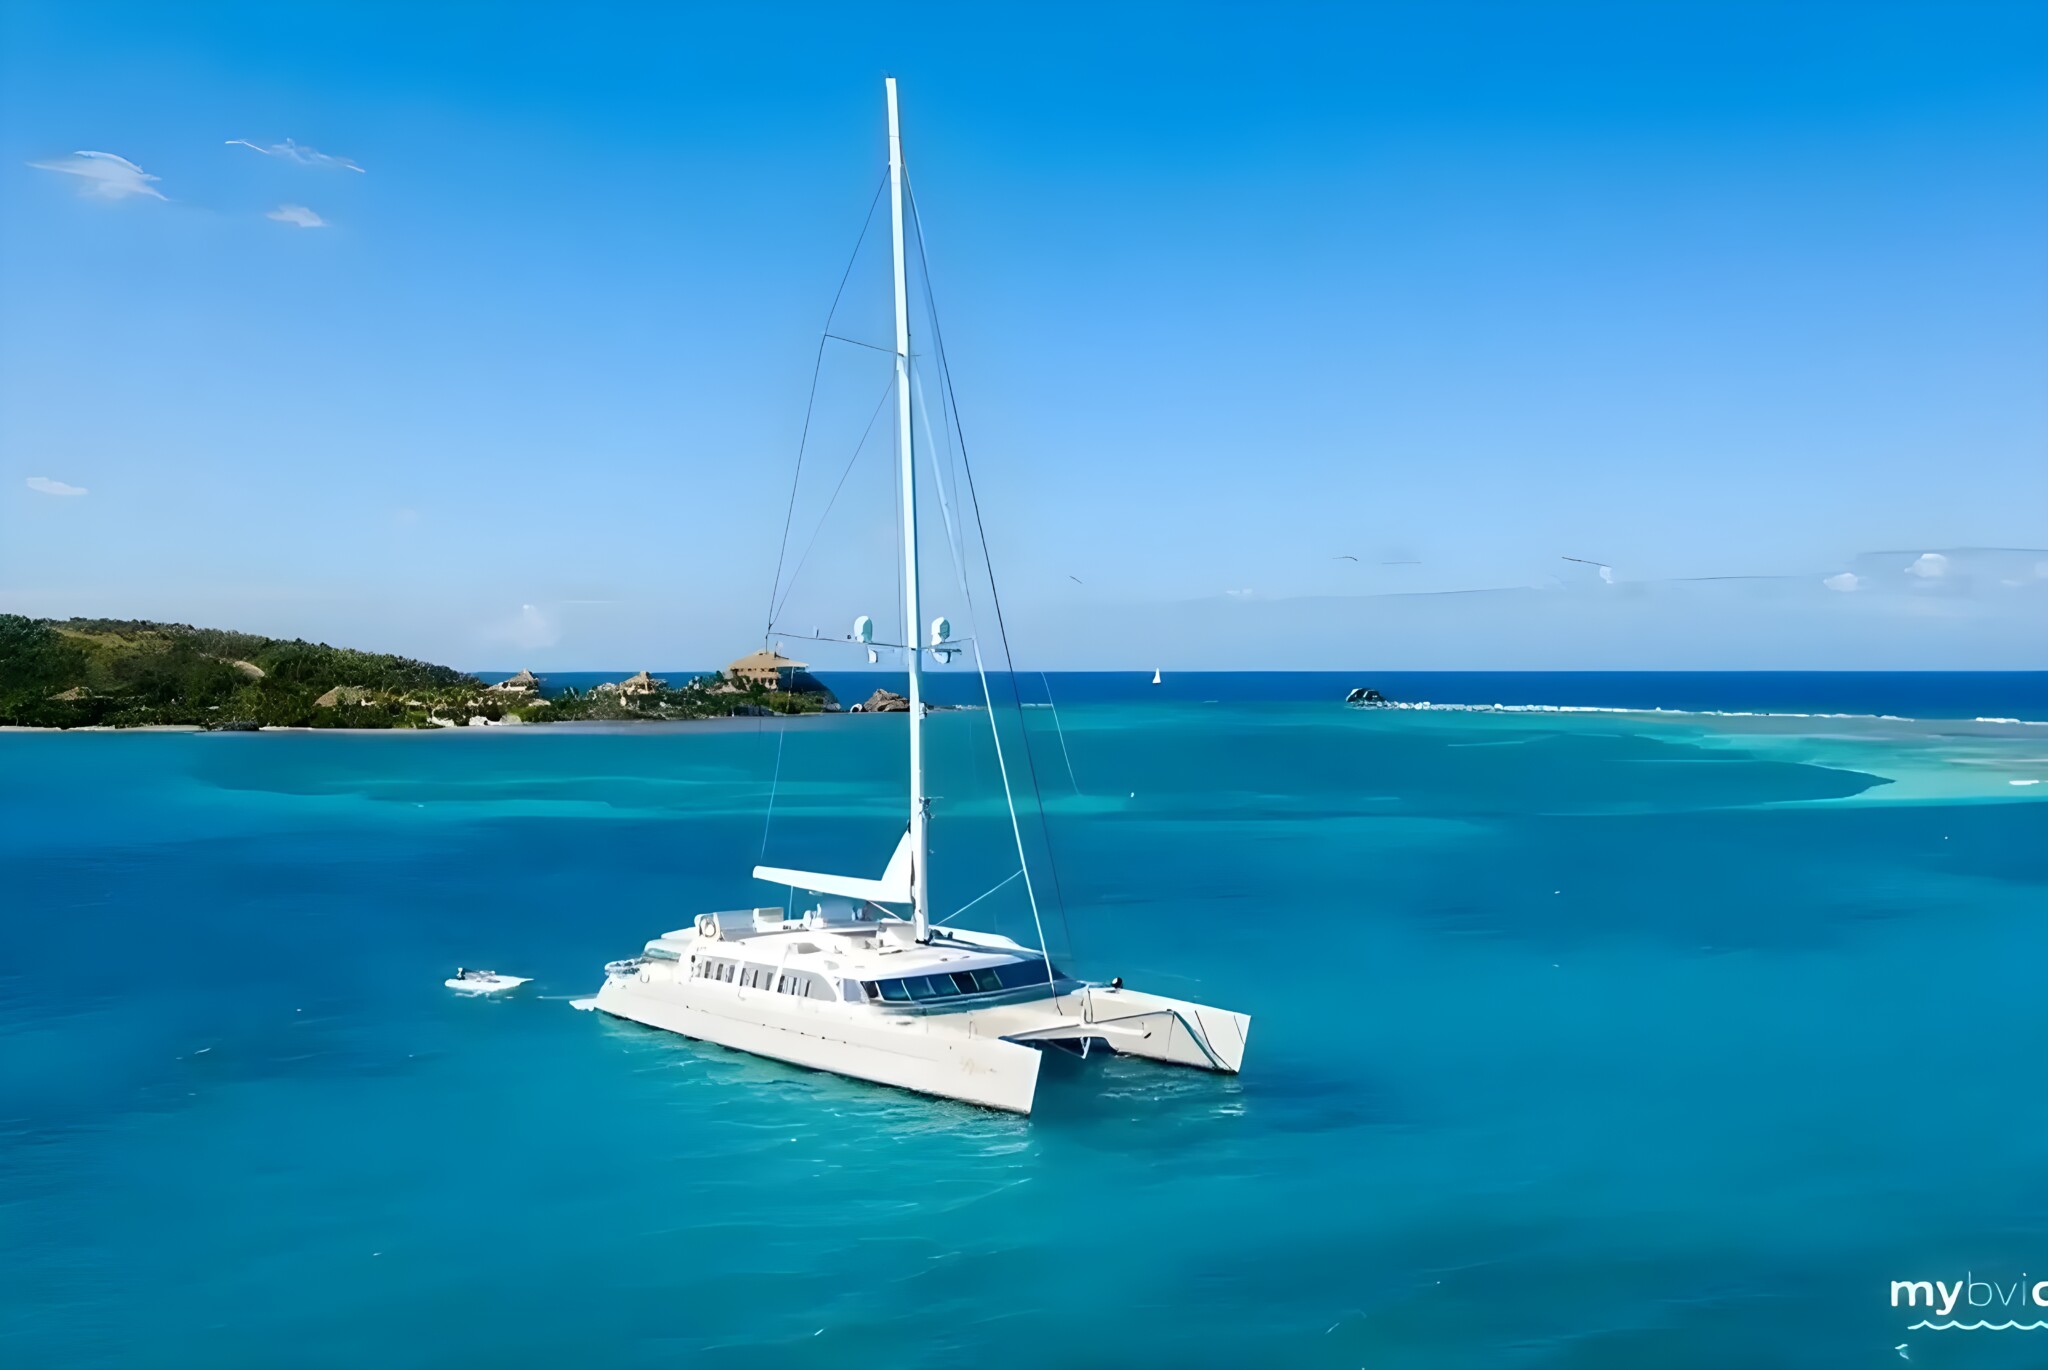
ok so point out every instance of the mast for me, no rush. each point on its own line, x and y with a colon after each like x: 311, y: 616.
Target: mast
x: 912, y: 625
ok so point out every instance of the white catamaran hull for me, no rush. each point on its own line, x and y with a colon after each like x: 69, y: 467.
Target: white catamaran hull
x: 978, y: 1056
x: 886, y: 1051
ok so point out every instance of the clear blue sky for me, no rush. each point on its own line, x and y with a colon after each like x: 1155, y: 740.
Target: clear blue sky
x: 1692, y: 290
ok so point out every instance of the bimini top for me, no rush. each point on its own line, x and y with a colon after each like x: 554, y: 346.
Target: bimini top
x: 892, y: 888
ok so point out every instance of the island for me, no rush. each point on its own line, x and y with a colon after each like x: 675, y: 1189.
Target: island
x: 121, y: 673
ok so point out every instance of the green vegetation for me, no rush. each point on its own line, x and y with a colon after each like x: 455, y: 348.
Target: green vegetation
x: 116, y: 673
x: 111, y: 672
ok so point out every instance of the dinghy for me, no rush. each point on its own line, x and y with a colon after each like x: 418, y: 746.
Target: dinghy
x: 468, y: 981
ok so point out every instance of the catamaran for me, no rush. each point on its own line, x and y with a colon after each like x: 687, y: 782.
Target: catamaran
x: 854, y: 978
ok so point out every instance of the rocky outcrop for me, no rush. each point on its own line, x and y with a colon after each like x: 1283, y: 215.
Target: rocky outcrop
x: 882, y: 702
x: 1367, y: 699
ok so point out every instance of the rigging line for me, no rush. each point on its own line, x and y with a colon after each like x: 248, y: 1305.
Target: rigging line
x: 858, y: 343
x: 811, y: 403
x: 939, y: 486
x: 775, y: 611
x: 979, y: 897
x: 980, y: 667
x: 795, y: 481
x: 967, y: 595
x: 1043, y: 680
x: 785, y: 635
x: 995, y: 597
x: 1010, y: 801
x: 774, y: 784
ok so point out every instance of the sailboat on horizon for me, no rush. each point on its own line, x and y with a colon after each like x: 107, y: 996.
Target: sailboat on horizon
x: 853, y: 977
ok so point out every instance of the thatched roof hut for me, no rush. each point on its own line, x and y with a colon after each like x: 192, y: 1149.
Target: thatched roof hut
x: 641, y: 684
x: 342, y: 694
x: 762, y: 668
x: 774, y: 671
x: 72, y: 695
x: 526, y: 682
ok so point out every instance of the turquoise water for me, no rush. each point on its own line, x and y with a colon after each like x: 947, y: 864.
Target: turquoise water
x: 1584, y: 1041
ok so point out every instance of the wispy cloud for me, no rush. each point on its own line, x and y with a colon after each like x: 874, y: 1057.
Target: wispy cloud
x: 104, y: 176
x: 296, y: 214
x: 529, y: 629
x: 293, y: 152
x: 1845, y: 582
x: 43, y: 485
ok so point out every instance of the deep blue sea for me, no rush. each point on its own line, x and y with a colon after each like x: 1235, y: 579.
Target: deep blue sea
x: 1589, y: 1041
x: 1913, y: 694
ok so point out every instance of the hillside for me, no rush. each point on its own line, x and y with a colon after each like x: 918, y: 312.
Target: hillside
x: 95, y: 672
x: 109, y: 672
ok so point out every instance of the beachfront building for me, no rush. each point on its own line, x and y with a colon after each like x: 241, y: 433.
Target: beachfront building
x: 641, y: 684
x: 770, y: 670
x: 773, y: 671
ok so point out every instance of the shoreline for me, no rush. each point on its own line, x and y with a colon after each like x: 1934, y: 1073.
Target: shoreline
x: 1761, y: 720
x: 721, y: 724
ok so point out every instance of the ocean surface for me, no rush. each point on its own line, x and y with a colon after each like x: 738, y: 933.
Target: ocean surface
x: 1581, y: 1041
x: 1912, y: 694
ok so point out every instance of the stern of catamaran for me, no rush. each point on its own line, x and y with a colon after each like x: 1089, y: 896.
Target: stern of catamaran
x: 1130, y: 1022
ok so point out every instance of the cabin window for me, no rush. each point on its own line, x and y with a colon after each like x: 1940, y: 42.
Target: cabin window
x: 964, y: 982
x: 986, y: 980
x: 870, y: 989
x: 895, y: 992
x: 1018, y: 974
